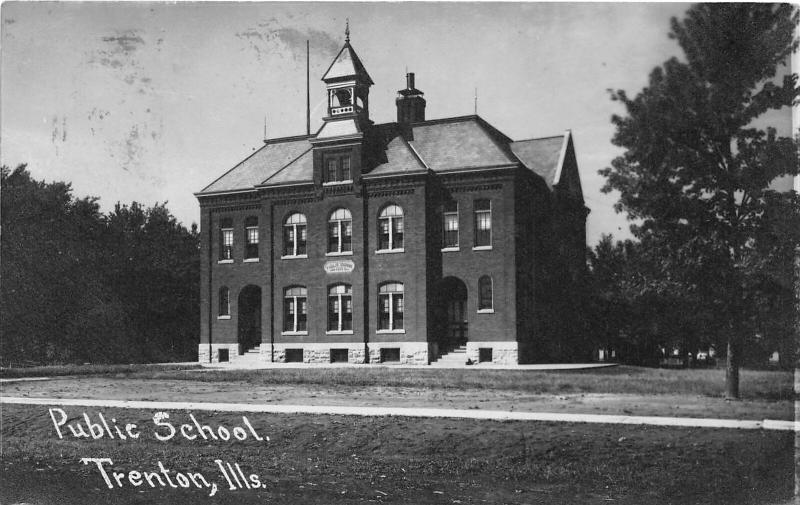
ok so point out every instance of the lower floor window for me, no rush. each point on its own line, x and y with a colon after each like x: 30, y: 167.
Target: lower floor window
x: 295, y: 312
x: 390, y: 306
x: 340, y: 308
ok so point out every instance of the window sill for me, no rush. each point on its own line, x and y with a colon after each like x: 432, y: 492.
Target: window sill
x: 482, y: 248
x: 293, y: 333
x: 335, y: 332
x: 295, y: 257
x: 338, y: 183
x: 383, y: 332
x: 389, y: 251
x: 224, y: 262
x: 223, y: 317
x: 451, y: 249
x: 343, y: 253
x: 485, y: 311
x: 250, y: 260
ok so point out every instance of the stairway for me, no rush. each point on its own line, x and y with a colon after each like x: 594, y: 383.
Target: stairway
x: 455, y: 358
x: 250, y: 357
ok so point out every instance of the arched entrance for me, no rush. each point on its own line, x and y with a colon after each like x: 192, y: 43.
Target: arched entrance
x: 453, y: 309
x: 249, y: 330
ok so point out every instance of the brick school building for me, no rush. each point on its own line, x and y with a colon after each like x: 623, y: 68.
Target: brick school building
x: 398, y: 242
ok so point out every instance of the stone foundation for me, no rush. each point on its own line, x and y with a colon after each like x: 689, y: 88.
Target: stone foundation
x: 202, y: 352
x: 318, y: 352
x: 503, y: 353
x: 411, y: 353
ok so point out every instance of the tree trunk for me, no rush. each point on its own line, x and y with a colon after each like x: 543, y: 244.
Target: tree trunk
x: 732, y: 370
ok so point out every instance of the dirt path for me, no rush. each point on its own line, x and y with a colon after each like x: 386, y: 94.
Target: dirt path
x: 243, y: 392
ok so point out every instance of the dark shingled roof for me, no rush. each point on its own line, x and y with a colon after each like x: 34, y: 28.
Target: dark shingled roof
x: 443, y: 145
x: 346, y: 65
x: 261, y: 165
x: 542, y: 156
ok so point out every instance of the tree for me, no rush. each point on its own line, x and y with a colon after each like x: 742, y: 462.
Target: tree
x: 78, y: 286
x: 696, y: 173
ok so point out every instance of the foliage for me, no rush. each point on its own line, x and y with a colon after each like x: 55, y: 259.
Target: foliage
x: 79, y: 286
x: 697, y: 168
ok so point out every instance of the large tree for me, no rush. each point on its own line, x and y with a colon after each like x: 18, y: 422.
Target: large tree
x: 698, y: 169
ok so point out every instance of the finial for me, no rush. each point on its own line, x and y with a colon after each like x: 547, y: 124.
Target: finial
x: 347, y: 30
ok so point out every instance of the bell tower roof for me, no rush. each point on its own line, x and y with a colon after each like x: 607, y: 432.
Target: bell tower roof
x: 347, y: 66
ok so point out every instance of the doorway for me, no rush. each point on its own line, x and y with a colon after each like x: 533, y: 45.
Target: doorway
x: 249, y: 326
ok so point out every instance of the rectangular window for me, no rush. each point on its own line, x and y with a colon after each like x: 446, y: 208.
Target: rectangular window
x: 347, y: 236
x: 333, y: 237
x: 450, y: 224
x: 398, y: 233
x: 347, y: 316
x: 390, y: 354
x: 333, y: 314
x: 332, y: 174
x: 484, y: 354
x: 383, y: 313
x: 288, y: 314
x: 337, y: 168
x: 483, y: 223
x: 251, y: 250
x: 339, y: 356
x: 301, y: 239
x: 397, y: 311
x: 302, y: 315
x: 288, y: 240
x: 345, y: 165
x: 226, y: 251
x: 383, y: 236
x: 294, y: 355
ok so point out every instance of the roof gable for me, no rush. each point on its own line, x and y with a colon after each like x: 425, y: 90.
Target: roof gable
x: 542, y: 156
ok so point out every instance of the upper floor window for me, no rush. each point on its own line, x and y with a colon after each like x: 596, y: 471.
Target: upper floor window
x: 340, y: 232
x: 483, y: 223
x: 390, y: 228
x: 337, y: 168
x: 226, y: 239
x: 450, y: 224
x: 251, y: 238
x: 340, y: 308
x: 295, y: 310
x: 224, y: 302
x: 294, y: 235
x: 390, y: 306
x: 485, y: 301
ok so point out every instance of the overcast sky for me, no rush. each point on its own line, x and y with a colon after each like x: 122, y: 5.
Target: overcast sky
x: 151, y: 102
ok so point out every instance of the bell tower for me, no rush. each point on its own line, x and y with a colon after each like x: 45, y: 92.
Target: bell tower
x: 347, y: 83
x: 339, y: 145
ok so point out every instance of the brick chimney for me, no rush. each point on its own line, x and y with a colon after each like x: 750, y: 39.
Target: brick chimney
x: 410, y: 104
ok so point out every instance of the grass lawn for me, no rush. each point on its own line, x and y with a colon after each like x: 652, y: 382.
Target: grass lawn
x: 339, y: 459
x: 755, y: 384
x: 61, y: 370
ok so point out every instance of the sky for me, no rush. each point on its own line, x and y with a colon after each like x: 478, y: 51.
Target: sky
x: 151, y: 102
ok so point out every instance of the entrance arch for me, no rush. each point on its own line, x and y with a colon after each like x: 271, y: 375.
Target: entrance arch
x: 453, y: 311
x: 249, y: 326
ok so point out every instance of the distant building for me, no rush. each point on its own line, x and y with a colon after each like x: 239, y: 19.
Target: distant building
x: 397, y: 242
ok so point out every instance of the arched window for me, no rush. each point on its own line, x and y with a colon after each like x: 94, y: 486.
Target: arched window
x: 226, y: 239
x: 251, y: 238
x: 390, y: 228
x: 390, y: 306
x: 340, y: 308
x: 485, y: 301
x: 224, y: 302
x: 294, y: 235
x: 295, y: 309
x: 340, y: 232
